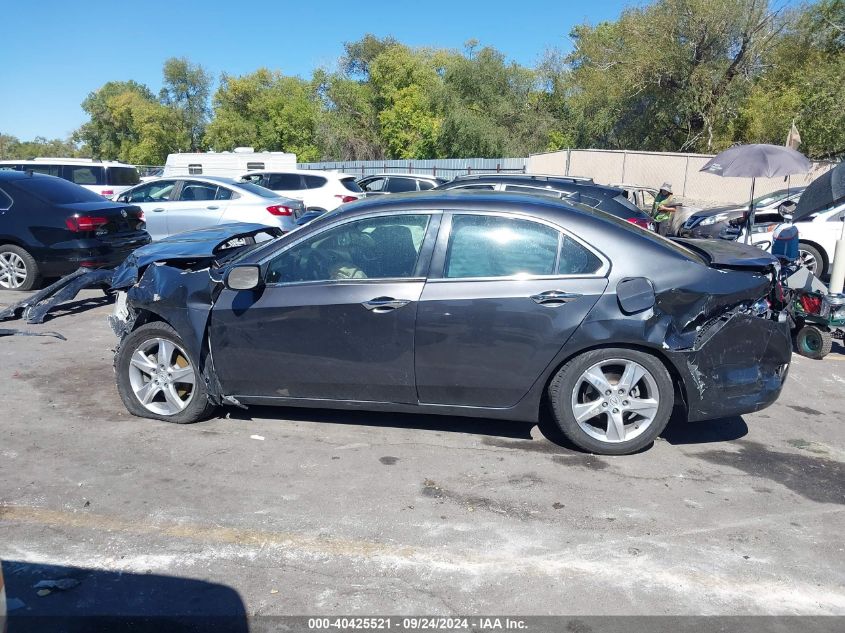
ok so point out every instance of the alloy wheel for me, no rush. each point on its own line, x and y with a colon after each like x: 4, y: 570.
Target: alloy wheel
x: 615, y: 400
x: 808, y: 260
x: 161, y: 376
x: 12, y: 270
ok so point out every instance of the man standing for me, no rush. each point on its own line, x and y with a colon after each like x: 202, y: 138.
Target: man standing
x: 661, y: 211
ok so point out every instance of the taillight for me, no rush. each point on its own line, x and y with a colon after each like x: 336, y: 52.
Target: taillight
x: 345, y: 199
x: 107, y: 192
x: 279, y: 209
x: 642, y: 222
x: 80, y: 223
x: 811, y: 304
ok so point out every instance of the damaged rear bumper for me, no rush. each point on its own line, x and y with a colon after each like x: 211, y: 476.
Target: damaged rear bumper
x: 737, y: 365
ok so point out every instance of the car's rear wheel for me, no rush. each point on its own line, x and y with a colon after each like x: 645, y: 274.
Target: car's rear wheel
x: 18, y: 269
x: 811, y: 259
x: 612, y: 401
x: 157, y: 377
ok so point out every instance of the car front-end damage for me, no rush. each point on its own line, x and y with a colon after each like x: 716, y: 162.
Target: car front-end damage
x: 177, y: 281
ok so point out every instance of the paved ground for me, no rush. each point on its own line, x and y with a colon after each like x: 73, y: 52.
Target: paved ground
x: 378, y: 513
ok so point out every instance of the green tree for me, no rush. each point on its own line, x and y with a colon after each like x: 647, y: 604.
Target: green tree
x: 187, y: 87
x: 266, y: 110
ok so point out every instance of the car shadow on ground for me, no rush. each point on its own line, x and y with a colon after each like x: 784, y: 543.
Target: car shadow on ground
x: 76, y: 307
x: 75, y: 599
x: 501, y: 433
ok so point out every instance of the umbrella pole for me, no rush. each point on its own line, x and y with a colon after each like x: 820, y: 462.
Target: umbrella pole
x: 750, y: 214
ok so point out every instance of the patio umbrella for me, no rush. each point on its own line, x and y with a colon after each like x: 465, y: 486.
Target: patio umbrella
x: 823, y: 192
x: 757, y: 161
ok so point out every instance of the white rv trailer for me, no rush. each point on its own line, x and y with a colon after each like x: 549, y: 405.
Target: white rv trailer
x: 230, y: 164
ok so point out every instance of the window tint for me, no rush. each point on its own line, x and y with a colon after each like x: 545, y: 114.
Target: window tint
x: 5, y: 201
x: 257, y: 190
x: 425, y: 185
x: 194, y: 170
x: 372, y: 248
x: 576, y: 259
x: 12, y: 166
x: 158, y: 191
x: 351, y: 185
x: 314, y: 182
x: 489, y: 246
x: 192, y: 190
x: 376, y: 184
x: 85, y: 175
x: 485, y: 187
x: 122, y: 176
x: 223, y: 194
x: 48, y: 170
x: 287, y: 182
x: 535, y: 191
x: 400, y: 185
x: 56, y: 190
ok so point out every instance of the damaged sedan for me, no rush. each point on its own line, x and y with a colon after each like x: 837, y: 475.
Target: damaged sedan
x: 455, y: 303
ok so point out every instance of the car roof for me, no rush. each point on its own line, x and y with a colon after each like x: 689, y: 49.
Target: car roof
x: 306, y: 172
x: 529, y: 180
x: 13, y: 174
x: 403, y: 174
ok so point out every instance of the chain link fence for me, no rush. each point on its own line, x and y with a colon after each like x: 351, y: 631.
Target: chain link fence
x: 439, y: 168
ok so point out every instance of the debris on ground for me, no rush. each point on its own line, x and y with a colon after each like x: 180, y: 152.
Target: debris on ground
x: 256, y: 437
x: 11, y: 332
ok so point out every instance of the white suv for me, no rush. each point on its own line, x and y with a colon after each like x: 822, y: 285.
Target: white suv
x: 320, y: 191
x: 107, y: 178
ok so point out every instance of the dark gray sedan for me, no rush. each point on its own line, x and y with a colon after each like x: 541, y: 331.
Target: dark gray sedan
x: 466, y: 304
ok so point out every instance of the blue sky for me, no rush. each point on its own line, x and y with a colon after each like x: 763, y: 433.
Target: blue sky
x: 55, y: 52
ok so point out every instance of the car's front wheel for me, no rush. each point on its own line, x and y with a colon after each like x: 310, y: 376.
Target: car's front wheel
x: 612, y: 401
x: 157, y: 377
x: 811, y: 259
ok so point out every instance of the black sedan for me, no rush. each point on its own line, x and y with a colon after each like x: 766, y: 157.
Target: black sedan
x: 464, y: 304
x: 50, y: 227
x: 612, y: 200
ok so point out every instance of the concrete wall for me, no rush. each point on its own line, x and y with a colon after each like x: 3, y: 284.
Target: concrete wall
x: 654, y: 168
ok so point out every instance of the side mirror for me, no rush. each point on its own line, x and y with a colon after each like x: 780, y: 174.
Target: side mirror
x: 786, y: 209
x: 246, y: 277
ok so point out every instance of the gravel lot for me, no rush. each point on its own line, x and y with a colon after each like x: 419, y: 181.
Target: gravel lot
x: 319, y: 512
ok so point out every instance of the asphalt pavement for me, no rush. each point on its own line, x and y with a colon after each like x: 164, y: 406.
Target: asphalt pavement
x: 292, y: 511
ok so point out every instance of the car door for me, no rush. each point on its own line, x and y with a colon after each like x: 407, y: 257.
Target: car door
x: 504, y: 295
x: 335, y: 318
x: 155, y: 198
x: 198, y: 205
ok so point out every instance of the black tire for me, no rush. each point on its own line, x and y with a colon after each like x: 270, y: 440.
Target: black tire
x: 821, y: 266
x: 568, y: 378
x: 198, y: 407
x: 813, y: 342
x: 33, y: 273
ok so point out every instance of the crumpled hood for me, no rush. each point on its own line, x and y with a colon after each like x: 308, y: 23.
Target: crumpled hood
x: 731, y: 255
x: 194, y: 246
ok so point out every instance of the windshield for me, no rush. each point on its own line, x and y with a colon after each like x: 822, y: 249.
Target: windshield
x: 770, y: 198
x: 56, y: 190
x: 258, y: 190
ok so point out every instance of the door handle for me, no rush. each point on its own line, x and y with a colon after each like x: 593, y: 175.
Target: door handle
x: 380, y: 305
x: 159, y: 210
x: 554, y: 298
x: 212, y: 207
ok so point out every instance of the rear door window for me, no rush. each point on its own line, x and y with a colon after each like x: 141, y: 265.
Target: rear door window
x: 314, y: 182
x: 397, y: 184
x: 122, y: 176
x: 85, y: 174
x: 375, y: 184
x: 493, y: 246
x: 284, y: 182
x: 193, y: 190
x: 47, y: 170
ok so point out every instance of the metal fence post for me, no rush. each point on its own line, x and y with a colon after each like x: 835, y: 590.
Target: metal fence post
x: 686, y: 173
x: 624, y: 161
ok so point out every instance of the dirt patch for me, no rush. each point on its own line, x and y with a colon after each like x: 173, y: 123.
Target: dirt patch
x: 814, y: 478
x: 388, y: 460
x: 806, y: 410
x: 472, y: 502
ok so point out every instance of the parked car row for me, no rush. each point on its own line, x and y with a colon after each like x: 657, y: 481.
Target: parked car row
x: 107, y: 178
